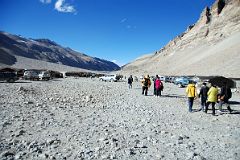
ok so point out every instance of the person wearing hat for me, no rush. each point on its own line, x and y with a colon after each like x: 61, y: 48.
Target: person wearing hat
x: 146, y: 83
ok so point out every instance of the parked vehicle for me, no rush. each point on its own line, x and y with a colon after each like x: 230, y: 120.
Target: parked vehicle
x: 182, y: 81
x: 44, y: 75
x: 31, y: 75
x: 162, y: 78
x: 169, y: 79
x: 8, y: 76
x: 110, y: 78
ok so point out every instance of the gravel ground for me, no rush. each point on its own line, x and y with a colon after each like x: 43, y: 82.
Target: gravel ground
x: 80, y: 118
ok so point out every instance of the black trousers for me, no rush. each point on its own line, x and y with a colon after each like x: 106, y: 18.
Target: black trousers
x: 213, y: 107
x: 158, y: 92
x: 203, y: 101
x: 144, y: 90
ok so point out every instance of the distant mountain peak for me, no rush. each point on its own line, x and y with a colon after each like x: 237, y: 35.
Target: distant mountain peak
x: 47, y: 50
x: 46, y: 41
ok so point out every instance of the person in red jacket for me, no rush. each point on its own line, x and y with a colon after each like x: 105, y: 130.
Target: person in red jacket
x: 158, y: 86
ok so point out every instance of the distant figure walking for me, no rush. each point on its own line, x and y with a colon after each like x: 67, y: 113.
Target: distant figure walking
x: 212, y: 98
x: 191, y: 94
x: 224, y: 97
x: 203, y: 95
x: 146, y: 83
x: 158, y: 86
x: 154, y: 86
x: 130, y: 81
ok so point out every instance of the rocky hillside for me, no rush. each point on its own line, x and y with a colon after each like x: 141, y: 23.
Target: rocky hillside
x: 13, y: 46
x: 208, y: 47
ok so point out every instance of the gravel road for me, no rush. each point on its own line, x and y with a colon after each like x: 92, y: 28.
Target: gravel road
x: 83, y: 118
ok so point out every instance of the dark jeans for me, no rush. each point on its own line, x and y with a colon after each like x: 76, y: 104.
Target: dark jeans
x: 154, y: 90
x: 129, y: 85
x: 225, y: 102
x: 190, y: 103
x: 203, y: 102
x: 213, y: 107
x: 158, y: 92
x: 144, y: 89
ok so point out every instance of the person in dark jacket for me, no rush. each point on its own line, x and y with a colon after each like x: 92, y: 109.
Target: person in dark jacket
x: 224, y: 97
x: 146, y: 83
x: 130, y: 81
x: 203, y: 94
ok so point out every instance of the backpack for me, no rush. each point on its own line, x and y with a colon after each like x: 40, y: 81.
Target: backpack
x: 145, y: 83
x: 229, y: 93
x: 161, y: 86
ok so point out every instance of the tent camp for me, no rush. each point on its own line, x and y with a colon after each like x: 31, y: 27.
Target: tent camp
x: 220, y: 81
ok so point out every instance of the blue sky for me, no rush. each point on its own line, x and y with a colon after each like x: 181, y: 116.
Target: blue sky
x: 115, y: 30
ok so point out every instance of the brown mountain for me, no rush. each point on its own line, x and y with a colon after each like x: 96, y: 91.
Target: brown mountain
x: 211, y: 46
x: 16, y: 51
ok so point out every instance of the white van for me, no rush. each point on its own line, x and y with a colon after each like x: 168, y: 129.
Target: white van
x: 110, y: 78
x: 31, y: 75
x: 44, y: 75
x: 162, y: 78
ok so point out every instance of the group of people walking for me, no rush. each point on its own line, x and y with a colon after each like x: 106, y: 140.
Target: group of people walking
x: 209, y: 96
x: 146, y: 83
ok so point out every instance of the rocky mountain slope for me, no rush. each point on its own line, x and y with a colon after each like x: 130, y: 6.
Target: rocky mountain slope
x: 12, y: 47
x: 209, y: 47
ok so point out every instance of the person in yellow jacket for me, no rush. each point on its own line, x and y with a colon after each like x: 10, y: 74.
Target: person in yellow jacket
x: 191, y: 94
x: 212, y: 98
x: 146, y: 83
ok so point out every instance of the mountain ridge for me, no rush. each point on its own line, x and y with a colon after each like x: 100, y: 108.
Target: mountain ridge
x: 49, y: 51
x: 208, y: 47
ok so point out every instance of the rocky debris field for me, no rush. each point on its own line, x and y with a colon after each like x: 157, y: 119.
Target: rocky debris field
x: 80, y: 118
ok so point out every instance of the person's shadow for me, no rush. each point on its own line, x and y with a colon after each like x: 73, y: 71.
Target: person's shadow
x: 234, y: 102
x: 173, y: 96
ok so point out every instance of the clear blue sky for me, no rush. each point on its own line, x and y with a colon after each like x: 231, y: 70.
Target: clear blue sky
x: 120, y: 30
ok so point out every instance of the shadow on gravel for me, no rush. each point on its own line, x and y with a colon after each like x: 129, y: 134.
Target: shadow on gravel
x: 55, y: 80
x: 235, y: 112
x: 196, y: 110
x: 17, y: 82
x: 225, y: 111
x: 234, y: 102
x: 173, y: 96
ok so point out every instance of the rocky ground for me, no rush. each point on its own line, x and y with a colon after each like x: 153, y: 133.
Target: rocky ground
x: 78, y: 118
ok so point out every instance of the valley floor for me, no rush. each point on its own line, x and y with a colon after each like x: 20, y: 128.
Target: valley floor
x: 83, y: 118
